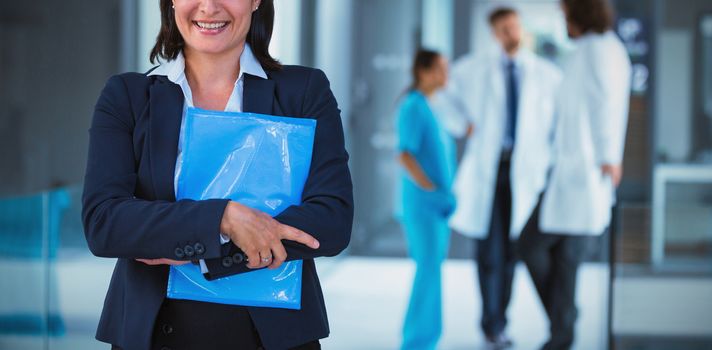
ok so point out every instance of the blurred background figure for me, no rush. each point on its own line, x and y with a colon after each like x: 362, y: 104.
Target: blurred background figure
x: 427, y: 154
x: 508, y: 95
x: 592, y: 115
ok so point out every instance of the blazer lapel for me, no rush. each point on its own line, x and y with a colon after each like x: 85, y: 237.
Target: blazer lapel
x: 258, y: 95
x: 166, y: 112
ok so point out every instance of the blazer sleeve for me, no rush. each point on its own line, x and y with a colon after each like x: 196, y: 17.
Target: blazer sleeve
x: 116, y: 223
x: 327, y: 208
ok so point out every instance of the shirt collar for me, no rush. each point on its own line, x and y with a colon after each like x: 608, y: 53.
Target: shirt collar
x: 174, y: 69
x: 521, y: 59
x: 250, y: 65
x: 505, y: 58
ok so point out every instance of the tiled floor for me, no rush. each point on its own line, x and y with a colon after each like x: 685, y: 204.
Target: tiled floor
x: 366, y: 298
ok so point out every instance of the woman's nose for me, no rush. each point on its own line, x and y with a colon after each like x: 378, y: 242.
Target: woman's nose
x: 209, y: 7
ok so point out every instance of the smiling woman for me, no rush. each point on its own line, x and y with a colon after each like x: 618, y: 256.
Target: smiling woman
x: 170, y: 41
x: 213, y: 55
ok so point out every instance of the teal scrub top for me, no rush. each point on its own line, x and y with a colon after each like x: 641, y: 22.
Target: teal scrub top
x: 422, y: 135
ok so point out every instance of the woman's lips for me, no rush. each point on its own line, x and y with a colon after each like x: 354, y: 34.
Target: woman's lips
x: 212, y: 27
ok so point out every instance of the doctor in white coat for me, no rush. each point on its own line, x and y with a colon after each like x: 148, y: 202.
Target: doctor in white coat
x: 507, y: 96
x: 592, y: 114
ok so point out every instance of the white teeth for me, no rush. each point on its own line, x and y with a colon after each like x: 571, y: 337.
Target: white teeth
x: 214, y: 25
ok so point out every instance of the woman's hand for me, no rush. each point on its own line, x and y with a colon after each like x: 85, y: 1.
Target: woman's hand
x: 615, y: 171
x: 442, y: 201
x: 162, y: 261
x: 470, y: 130
x: 415, y: 171
x: 425, y: 184
x: 260, y: 236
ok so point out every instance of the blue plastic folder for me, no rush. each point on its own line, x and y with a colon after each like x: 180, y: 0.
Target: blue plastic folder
x: 260, y: 161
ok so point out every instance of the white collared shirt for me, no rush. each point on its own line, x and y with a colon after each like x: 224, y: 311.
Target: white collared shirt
x: 174, y: 70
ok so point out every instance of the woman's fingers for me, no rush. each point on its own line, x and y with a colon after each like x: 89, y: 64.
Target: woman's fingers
x: 280, y: 255
x: 265, y: 258
x: 260, y: 236
x: 148, y: 261
x: 162, y: 261
x: 293, y: 234
x: 253, y: 259
x: 615, y: 171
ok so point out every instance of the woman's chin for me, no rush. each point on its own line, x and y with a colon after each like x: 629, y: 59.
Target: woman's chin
x: 211, y: 49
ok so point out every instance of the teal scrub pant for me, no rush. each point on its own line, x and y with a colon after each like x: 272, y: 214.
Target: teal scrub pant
x: 428, y: 236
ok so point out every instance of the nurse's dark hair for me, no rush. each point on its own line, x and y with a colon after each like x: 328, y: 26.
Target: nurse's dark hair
x: 590, y: 15
x: 169, y: 42
x: 424, y: 59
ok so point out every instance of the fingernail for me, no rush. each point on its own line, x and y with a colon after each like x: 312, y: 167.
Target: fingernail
x: 315, y: 244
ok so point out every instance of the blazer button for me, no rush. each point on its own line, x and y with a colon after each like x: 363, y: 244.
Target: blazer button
x: 179, y: 253
x: 167, y: 329
x: 227, y: 261
x: 189, y: 251
x: 238, y: 258
x: 199, y: 248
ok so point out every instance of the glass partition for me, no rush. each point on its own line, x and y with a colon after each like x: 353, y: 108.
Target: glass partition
x: 53, y: 288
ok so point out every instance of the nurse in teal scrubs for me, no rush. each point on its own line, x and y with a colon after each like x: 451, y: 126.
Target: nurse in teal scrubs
x: 427, y: 155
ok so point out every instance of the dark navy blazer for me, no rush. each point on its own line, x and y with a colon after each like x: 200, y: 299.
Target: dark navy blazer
x: 129, y: 208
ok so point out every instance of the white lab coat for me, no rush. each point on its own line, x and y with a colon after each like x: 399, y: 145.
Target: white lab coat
x: 592, y: 115
x: 476, y: 93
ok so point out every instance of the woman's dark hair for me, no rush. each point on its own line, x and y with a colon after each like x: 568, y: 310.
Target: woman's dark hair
x: 169, y: 41
x: 590, y: 15
x: 424, y: 59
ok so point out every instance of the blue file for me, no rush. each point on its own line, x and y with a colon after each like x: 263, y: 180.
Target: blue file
x: 260, y: 161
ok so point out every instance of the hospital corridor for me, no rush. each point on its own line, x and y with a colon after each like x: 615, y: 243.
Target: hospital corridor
x: 410, y: 174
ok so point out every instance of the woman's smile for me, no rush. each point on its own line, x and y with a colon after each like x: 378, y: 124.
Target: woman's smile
x: 211, y: 27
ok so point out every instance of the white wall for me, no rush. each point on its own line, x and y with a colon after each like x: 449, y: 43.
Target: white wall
x: 334, y: 49
x: 285, y: 44
x: 437, y: 26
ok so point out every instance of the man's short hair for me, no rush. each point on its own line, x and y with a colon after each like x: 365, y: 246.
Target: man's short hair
x: 500, y: 13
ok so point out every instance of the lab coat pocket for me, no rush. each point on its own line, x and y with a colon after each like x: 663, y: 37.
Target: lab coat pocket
x: 575, y: 171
